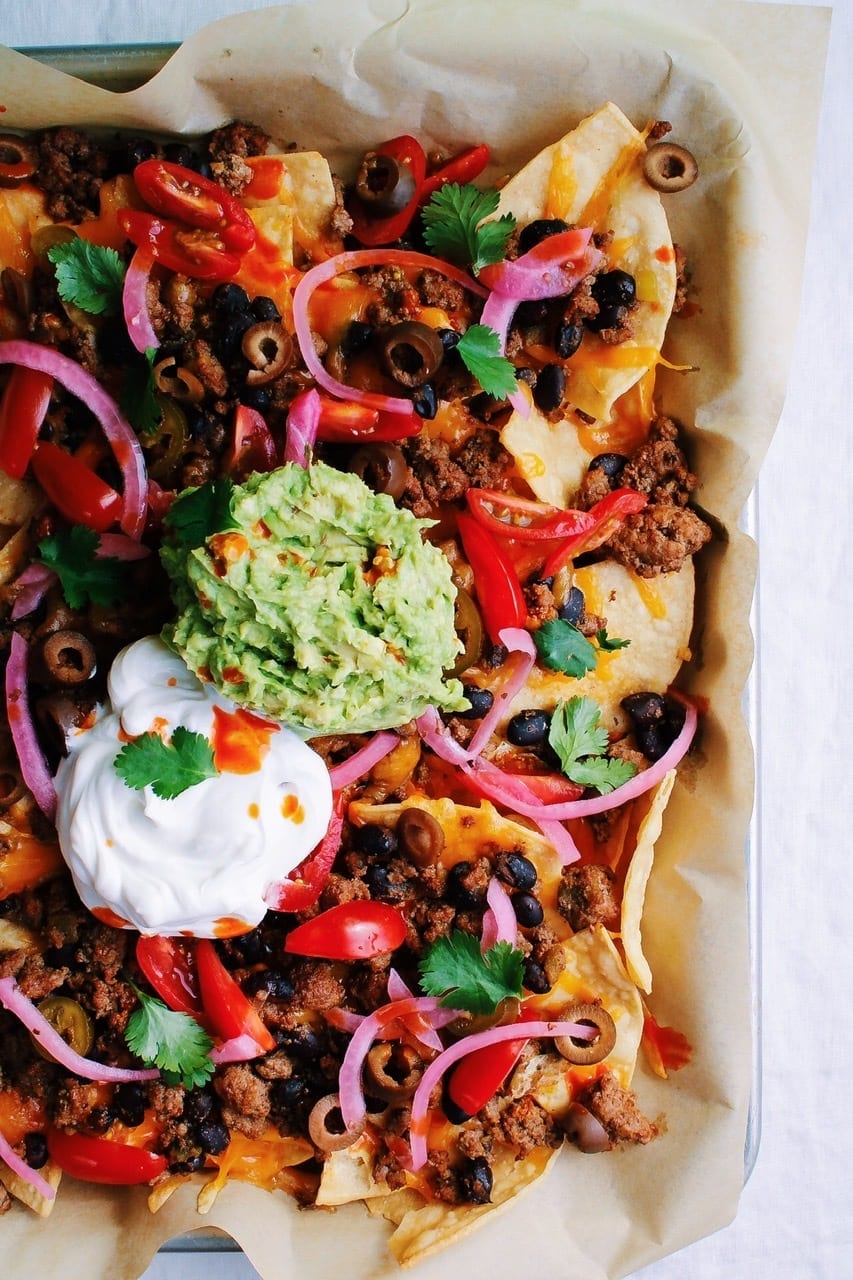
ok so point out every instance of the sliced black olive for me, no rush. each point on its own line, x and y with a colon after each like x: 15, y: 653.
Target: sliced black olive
x: 481, y: 701
x: 374, y: 841
x: 550, y: 388
x: 670, y: 168
x: 535, y: 232
x: 326, y: 1127
x: 420, y: 836
x: 67, y: 657
x: 384, y: 185
x: 382, y: 467
x: 176, y: 381
x: 586, y: 1052
x: 269, y: 349
x: 393, y: 1071
x: 411, y: 352
x: 528, y: 728
x: 568, y: 339
x: 18, y: 160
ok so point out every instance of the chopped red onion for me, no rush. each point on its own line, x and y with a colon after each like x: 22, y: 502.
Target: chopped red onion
x: 303, y: 421
x: 118, y: 431
x: 10, y: 1157
x: 358, y: 764
x: 134, y: 300
x: 34, y: 769
x: 14, y: 1000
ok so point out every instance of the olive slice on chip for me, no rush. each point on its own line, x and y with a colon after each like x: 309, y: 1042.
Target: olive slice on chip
x: 587, y: 1052
x: 385, y: 185
x: 669, y: 168
x: 411, y: 352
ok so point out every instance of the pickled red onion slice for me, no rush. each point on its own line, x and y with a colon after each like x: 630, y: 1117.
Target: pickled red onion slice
x: 303, y: 421
x: 10, y: 1157
x: 512, y: 678
x: 31, y: 586
x: 550, y: 269
x: 238, y: 1049
x: 499, y: 922
x: 358, y: 764
x: 34, y: 768
x: 134, y: 301
x: 14, y: 1000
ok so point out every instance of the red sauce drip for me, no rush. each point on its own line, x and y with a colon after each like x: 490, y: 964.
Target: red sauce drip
x: 240, y: 740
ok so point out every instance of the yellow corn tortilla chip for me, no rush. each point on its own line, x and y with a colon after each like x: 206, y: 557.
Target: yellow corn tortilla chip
x: 27, y: 1193
x: 19, y: 500
x: 15, y: 936
x: 636, y: 879
x: 549, y: 455
x: 593, y: 176
x: 348, y: 1176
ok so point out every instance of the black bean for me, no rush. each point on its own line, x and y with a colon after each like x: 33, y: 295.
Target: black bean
x: 263, y: 308
x: 357, y: 337
x: 266, y: 981
x: 374, y: 840
x: 191, y: 1165
x: 481, y: 701
x: 231, y: 338
x: 252, y: 947
x: 35, y: 1150
x: 213, y: 1137
x: 609, y: 317
x: 134, y: 151
x: 573, y: 608
x: 60, y: 957
x: 530, y: 314
x: 454, y: 1113
x: 459, y: 893
x: 257, y: 398
x: 528, y: 728
x: 450, y: 338
x: 290, y: 1093
x: 645, y: 709
x: 535, y: 232
x: 383, y: 885
x: 550, y: 388
x: 535, y: 978
x: 129, y: 1104
x: 568, y: 339
x: 612, y: 464
x: 302, y: 1044
x: 231, y: 298
x: 486, y: 407
x: 475, y: 1181
x: 180, y: 153
x: 528, y: 910
x: 425, y: 401
x: 199, y: 1104
x: 614, y: 289
x: 516, y: 870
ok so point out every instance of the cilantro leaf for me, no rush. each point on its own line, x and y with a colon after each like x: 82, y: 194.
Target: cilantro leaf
x: 174, y: 1042
x: 563, y: 648
x: 456, y: 968
x: 73, y: 556
x: 580, y: 742
x: 197, y: 514
x: 139, y: 402
x: 609, y: 643
x: 88, y: 276
x: 480, y: 351
x: 454, y: 226
x: 169, y: 768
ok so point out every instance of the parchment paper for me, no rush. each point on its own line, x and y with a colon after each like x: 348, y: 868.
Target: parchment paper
x: 741, y: 85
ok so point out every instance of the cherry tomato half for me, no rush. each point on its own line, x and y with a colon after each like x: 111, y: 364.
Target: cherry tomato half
x: 100, y: 1160
x: 184, y: 194
x: 476, y: 1078
x: 228, y: 1010
x: 344, y: 420
x: 189, y: 250
x: 75, y: 489
x: 22, y: 411
x: 303, y: 886
x: 169, y: 965
x: 499, y: 593
x: 350, y: 931
x: 252, y: 448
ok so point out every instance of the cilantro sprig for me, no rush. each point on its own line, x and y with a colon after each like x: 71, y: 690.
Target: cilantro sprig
x: 84, y: 577
x: 174, y: 1042
x: 168, y: 768
x: 138, y: 400
x: 197, y: 514
x: 88, y: 276
x: 562, y: 647
x: 480, y: 351
x: 580, y: 741
x: 466, y: 977
x: 455, y: 226
x: 609, y: 644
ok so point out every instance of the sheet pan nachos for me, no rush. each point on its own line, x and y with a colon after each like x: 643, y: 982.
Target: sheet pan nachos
x: 347, y: 577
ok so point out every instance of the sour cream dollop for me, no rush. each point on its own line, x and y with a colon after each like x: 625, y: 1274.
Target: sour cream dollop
x: 202, y: 862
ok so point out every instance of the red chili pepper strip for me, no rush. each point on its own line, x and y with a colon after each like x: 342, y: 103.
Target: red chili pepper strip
x: 228, y: 1010
x: 22, y: 411
x: 169, y: 965
x: 184, y: 194
x: 608, y: 515
x: 100, y: 1160
x: 374, y: 231
x: 462, y: 168
x: 189, y: 250
x: 499, y: 593
x: 75, y: 489
x: 543, y: 520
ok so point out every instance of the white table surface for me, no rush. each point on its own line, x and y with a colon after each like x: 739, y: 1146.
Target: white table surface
x: 795, y: 1220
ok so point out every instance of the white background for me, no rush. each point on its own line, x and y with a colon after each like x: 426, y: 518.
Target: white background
x: 795, y: 1220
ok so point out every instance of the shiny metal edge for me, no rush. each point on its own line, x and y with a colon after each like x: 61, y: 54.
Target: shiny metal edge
x: 125, y: 67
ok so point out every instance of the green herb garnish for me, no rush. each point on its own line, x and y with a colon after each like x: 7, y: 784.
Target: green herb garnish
x: 480, y: 351
x: 88, y: 276
x: 84, y: 578
x: 139, y: 401
x: 466, y: 977
x: 580, y: 741
x: 197, y: 514
x: 169, y: 768
x: 609, y: 643
x: 562, y: 647
x: 174, y: 1042
x: 454, y: 226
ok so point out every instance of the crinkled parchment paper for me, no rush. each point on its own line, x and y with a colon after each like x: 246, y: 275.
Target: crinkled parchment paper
x: 741, y: 85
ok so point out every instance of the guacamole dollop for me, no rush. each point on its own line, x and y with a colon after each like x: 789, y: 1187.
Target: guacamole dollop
x: 320, y: 605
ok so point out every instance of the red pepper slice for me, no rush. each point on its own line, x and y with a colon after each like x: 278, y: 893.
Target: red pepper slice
x: 75, y: 489
x: 184, y: 194
x: 344, y: 420
x: 356, y: 930
x: 374, y: 231
x: 100, y: 1160
x: 229, y: 1011
x: 303, y: 886
x: 542, y: 520
x: 608, y: 514
x: 169, y: 965
x: 22, y: 411
x: 189, y: 250
x: 476, y: 1078
x: 499, y: 593
x: 253, y: 448
x: 463, y: 167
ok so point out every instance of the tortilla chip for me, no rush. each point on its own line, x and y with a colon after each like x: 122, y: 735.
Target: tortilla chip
x: 15, y: 936
x: 19, y: 501
x: 348, y: 1176
x: 163, y: 1191
x: 594, y: 177
x: 549, y: 455
x: 656, y: 617
x: 636, y: 879
x: 27, y: 1193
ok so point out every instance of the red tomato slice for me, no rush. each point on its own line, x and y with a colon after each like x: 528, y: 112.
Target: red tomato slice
x: 228, y: 1010
x: 75, y: 489
x: 608, y: 514
x: 186, y: 195
x: 253, y: 448
x: 541, y: 521
x: 189, y: 250
x: 22, y: 411
x: 99, y: 1160
x: 169, y: 965
x: 477, y: 1078
x: 350, y: 931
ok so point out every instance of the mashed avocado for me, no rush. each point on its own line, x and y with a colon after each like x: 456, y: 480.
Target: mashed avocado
x: 321, y: 605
